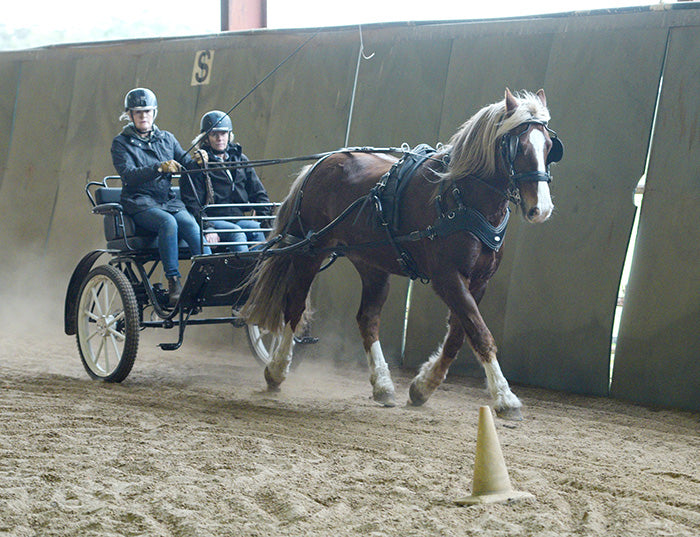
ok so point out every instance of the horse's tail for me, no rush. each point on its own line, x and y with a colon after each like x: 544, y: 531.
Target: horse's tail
x: 270, y: 280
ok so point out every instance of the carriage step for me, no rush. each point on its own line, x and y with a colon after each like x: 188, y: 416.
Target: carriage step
x: 170, y: 346
x: 305, y: 340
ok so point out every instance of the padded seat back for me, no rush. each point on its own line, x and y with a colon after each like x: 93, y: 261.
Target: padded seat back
x: 137, y: 238
x: 112, y: 222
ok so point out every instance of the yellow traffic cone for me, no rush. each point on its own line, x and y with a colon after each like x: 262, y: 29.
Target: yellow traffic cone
x: 491, y: 482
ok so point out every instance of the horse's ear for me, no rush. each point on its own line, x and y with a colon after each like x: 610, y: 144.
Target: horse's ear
x: 511, y: 101
x: 542, y: 97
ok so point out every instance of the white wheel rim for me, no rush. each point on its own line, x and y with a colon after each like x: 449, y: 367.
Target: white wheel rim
x: 99, y: 314
x: 263, y: 342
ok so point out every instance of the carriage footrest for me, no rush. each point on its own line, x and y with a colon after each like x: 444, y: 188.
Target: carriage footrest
x: 216, y: 280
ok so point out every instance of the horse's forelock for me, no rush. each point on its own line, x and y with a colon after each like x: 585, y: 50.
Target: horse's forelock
x: 530, y: 108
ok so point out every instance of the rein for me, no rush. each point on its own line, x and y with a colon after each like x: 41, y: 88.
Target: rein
x: 511, y: 193
x: 229, y: 165
x: 464, y: 218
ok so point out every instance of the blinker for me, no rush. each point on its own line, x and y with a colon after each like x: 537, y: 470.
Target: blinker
x: 510, y: 145
x: 557, y: 151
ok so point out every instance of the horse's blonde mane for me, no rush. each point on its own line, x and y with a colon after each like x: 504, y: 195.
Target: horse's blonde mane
x: 473, y: 147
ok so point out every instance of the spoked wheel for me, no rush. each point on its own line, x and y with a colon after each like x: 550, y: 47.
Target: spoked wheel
x: 261, y: 343
x: 107, y: 324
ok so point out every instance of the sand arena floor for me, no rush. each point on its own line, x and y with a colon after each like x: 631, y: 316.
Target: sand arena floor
x: 192, y: 444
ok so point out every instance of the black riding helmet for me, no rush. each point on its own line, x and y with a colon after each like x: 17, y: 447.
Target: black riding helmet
x: 140, y: 99
x: 215, y: 120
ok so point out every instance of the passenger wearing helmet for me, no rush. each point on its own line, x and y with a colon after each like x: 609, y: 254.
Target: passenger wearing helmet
x: 146, y: 157
x: 224, y: 185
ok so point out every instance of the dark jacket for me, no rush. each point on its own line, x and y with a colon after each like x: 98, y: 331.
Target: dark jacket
x: 136, y: 161
x: 235, y: 185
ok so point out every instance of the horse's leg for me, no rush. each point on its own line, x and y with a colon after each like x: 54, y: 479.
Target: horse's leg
x: 301, y: 275
x: 375, y: 289
x: 433, y: 372
x: 507, y: 403
x: 281, y: 358
x: 454, y: 290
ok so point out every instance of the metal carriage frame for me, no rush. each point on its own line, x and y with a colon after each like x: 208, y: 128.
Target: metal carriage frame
x: 108, y: 305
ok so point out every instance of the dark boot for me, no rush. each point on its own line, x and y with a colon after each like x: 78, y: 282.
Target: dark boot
x: 174, y: 290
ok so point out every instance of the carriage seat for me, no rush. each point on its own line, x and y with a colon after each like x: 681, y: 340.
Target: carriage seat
x: 120, y: 230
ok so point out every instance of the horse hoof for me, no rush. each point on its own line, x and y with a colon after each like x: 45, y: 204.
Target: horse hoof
x: 387, y: 399
x: 272, y: 385
x: 509, y: 413
x: 415, y: 397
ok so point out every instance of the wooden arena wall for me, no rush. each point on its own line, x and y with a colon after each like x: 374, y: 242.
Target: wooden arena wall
x: 551, y: 305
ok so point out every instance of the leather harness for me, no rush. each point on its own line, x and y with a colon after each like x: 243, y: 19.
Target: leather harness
x: 386, y: 196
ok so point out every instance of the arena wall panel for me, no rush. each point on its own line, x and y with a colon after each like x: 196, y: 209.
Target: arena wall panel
x: 30, y: 183
x: 9, y: 77
x: 659, y: 343
x: 551, y: 304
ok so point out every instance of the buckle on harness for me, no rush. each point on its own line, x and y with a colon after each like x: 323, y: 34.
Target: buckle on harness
x: 408, y: 265
x: 428, y: 232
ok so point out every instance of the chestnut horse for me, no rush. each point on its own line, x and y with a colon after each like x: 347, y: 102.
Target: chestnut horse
x: 500, y: 155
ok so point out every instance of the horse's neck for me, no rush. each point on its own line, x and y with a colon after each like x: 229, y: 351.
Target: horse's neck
x: 488, y: 196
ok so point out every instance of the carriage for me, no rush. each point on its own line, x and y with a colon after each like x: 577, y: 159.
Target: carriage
x: 108, y: 305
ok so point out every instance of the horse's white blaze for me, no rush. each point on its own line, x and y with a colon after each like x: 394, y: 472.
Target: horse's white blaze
x: 498, y: 386
x: 537, y: 140
x: 282, y: 356
x: 379, y: 370
x: 544, y: 203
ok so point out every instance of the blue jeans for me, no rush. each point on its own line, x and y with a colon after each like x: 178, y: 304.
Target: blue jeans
x: 240, y: 231
x: 171, y: 227
x: 251, y: 227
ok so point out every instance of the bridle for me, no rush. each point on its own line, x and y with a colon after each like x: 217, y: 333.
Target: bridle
x: 510, y: 146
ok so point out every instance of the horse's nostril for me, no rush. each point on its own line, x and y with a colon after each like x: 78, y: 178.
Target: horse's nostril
x: 532, y: 213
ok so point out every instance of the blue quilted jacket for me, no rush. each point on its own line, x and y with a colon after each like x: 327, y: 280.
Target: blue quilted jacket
x: 136, y: 161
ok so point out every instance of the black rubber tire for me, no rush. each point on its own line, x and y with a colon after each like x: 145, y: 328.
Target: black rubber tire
x: 107, y: 324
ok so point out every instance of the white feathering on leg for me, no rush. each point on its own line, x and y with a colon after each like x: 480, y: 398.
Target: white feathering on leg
x: 425, y: 382
x: 498, y: 386
x: 379, y: 370
x: 282, y: 356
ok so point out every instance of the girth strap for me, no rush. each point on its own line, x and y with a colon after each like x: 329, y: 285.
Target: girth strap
x: 405, y: 260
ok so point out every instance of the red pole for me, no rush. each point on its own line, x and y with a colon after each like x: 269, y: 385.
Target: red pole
x: 243, y: 14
